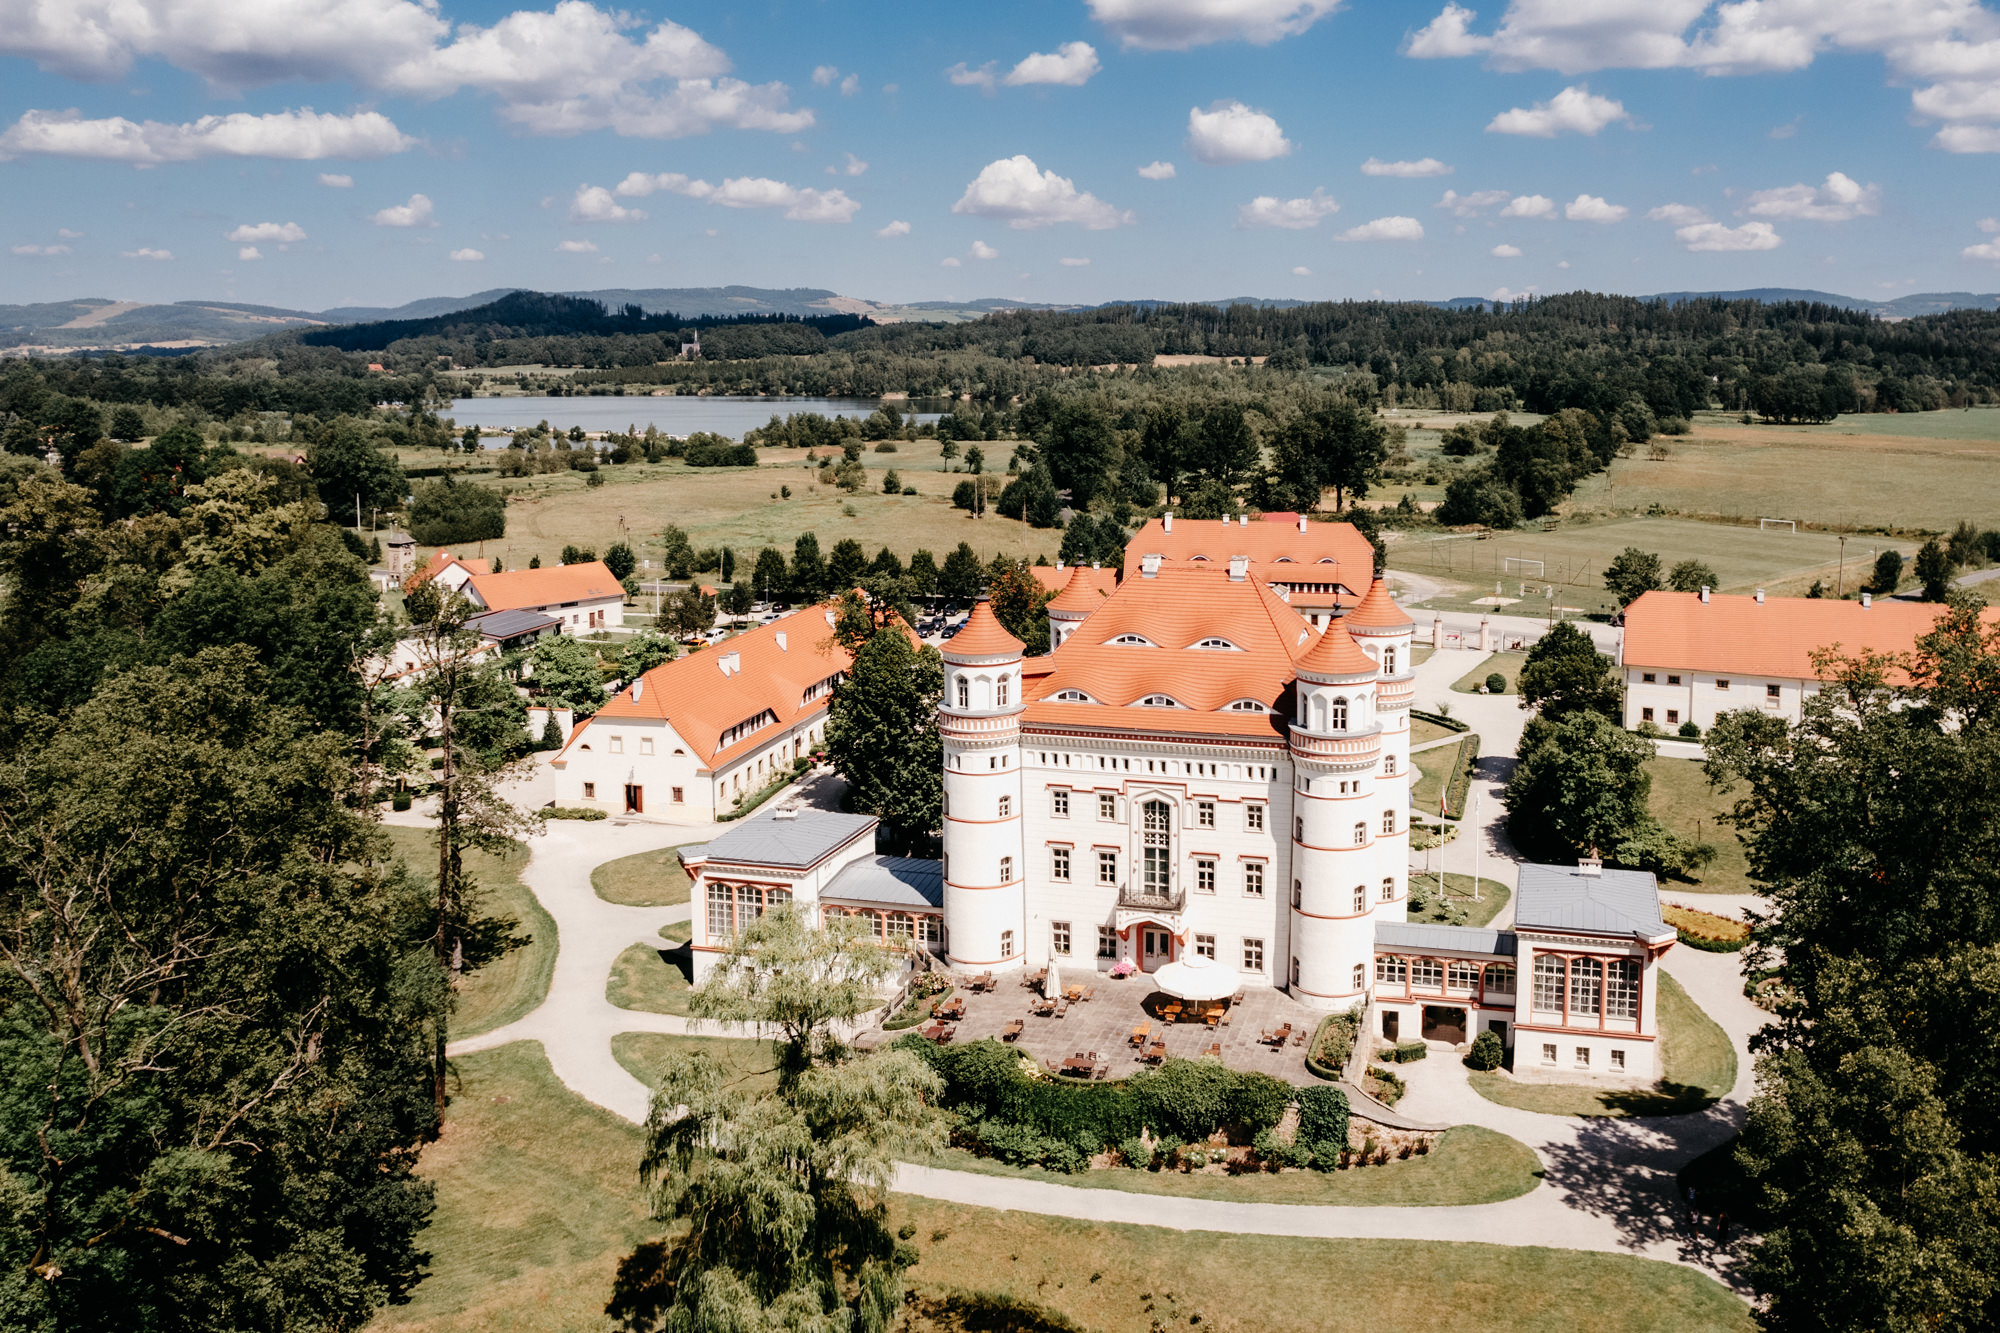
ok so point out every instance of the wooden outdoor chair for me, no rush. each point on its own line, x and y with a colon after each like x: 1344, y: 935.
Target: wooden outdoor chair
x: 1214, y: 1050
x: 1088, y: 992
x: 1013, y: 1029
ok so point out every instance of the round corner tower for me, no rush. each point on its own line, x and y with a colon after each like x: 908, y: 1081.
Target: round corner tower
x: 1386, y: 634
x: 979, y: 722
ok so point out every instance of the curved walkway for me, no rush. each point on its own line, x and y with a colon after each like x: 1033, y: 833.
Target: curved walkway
x: 1610, y: 1183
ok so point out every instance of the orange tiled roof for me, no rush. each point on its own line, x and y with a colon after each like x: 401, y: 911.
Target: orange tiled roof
x: 1378, y: 611
x: 704, y: 694
x: 1279, y: 552
x: 440, y: 561
x: 1337, y: 654
x: 1055, y: 578
x: 983, y: 635
x: 1085, y: 592
x: 1735, y: 636
x: 1174, y: 612
x: 523, y: 588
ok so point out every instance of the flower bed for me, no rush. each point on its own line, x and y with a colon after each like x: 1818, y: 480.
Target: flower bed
x: 1333, y: 1044
x: 1705, y: 930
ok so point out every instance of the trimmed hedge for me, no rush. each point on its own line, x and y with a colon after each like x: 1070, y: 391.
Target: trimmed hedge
x: 1461, y: 775
x: 915, y: 1010
x: 1404, y: 1052
x: 1705, y: 930
x: 1327, y: 1056
x: 1448, y: 723
x: 1323, y: 1114
x: 572, y: 812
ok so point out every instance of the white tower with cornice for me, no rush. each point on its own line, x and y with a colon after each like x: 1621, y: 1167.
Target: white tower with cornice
x: 985, y: 903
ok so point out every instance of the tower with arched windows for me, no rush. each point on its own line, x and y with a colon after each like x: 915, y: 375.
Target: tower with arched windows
x: 1386, y: 634
x: 1340, y: 859
x: 979, y: 722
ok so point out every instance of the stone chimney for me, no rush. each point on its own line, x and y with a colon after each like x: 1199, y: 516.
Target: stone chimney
x: 1167, y: 521
x: 1239, y: 568
x: 1302, y: 525
x: 1704, y: 594
x: 1149, y: 565
x: 1867, y: 601
x: 1760, y: 596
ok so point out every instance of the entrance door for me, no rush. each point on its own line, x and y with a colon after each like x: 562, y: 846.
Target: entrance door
x: 635, y: 800
x: 1392, y: 1025
x: 1157, y: 949
x: 1444, y: 1023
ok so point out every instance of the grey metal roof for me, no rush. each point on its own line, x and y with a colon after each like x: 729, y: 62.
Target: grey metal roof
x: 1449, y: 939
x: 512, y: 624
x: 896, y: 881
x: 1610, y: 902
x: 794, y: 839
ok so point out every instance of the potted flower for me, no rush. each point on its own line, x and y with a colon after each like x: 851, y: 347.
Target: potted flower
x: 1122, y: 969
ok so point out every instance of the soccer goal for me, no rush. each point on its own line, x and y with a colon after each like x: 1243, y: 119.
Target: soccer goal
x: 1788, y: 524
x: 1517, y: 564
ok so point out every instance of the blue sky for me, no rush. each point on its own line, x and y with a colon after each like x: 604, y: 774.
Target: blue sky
x: 309, y: 153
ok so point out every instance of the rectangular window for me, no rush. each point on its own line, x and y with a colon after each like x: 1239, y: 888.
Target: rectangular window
x: 719, y: 902
x: 1107, y: 942
x: 1107, y: 867
x: 1771, y: 691
x: 1059, y: 803
x: 618, y: 745
x: 1360, y: 974
x: 1673, y: 680
x: 1645, y: 715
x: 1426, y: 974
x: 1299, y: 826
x: 1583, y: 1057
x: 590, y: 791
x: 645, y: 745
x: 1548, y: 1053
x: 1360, y: 897
x: 1586, y: 984
x: 1646, y: 676
x: 1388, y: 888
x: 1006, y: 870
x: 1721, y: 684
x: 1618, y: 1062
x: 1204, y: 874
x: 1391, y: 972
x: 1549, y: 986
x: 1204, y: 813
x: 1006, y: 807
x: 1461, y: 978
x: 1673, y: 715
x: 1253, y: 879
x: 680, y: 796
x: 1006, y: 944
x: 1059, y: 938
x: 1499, y: 979
x: 1360, y: 833
x: 1388, y: 821
x: 1253, y: 817
x: 1107, y: 805
x: 1253, y: 955
x: 1205, y: 945
x: 1621, y: 988
x: 1059, y: 863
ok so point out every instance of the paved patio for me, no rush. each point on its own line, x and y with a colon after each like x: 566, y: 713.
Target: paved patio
x: 1104, y: 1024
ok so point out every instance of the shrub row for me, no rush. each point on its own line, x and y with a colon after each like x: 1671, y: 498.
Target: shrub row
x: 1461, y: 775
x: 1705, y: 930
x: 1404, y: 1052
x: 749, y: 801
x: 571, y: 812
x: 916, y: 1009
x: 1332, y: 1045
x: 1448, y: 723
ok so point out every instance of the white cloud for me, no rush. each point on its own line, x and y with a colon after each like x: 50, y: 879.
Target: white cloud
x: 981, y: 250
x: 335, y: 180
x: 1574, y: 110
x: 1015, y: 189
x: 1968, y: 139
x: 1178, y: 25
x: 301, y: 135
x: 1074, y: 263
x: 825, y: 75
x: 415, y: 213
x: 1070, y: 65
x: 1681, y: 215
x: 467, y: 256
x: 1385, y: 229
x: 1446, y: 36
x: 1469, y: 205
x: 1718, y: 237
x: 594, y: 203
x: 41, y: 251
x: 69, y: 235
x: 1293, y: 214
x: 1593, y: 208
x: 1988, y: 225
x: 1301, y: 271
x: 1230, y: 132
x: 1562, y: 263
x: 1984, y: 250
x: 1787, y: 130
x: 280, y: 233
x: 1529, y: 206
x: 949, y: 261
x: 800, y: 205
x: 854, y: 166
x: 896, y: 228
x: 248, y: 253
x: 1838, y: 200
x: 1505, y: 251
x: 146, y: 252
x: 576, y: 247
x: 1508, y: 296
x: 1417, y: 170
x: 964, y: 76
x: 1157, y: 171
x: 850, y: 85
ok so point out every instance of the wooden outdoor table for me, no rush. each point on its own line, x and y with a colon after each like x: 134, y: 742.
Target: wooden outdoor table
x: 1077, y: 1066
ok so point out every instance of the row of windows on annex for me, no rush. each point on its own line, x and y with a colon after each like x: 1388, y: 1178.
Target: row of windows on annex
x: 733, y: 907
x: 1580, y: 1058
x: 1584, y: 991
x: 1399, y: 974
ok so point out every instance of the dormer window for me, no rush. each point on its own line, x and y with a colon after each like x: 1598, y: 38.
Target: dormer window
x: 1072, y: 697
x: 1284, y: 560
x: 1248, y: 706
x: 1328, y: 560
x: 1158, y: 701
x: 1133, y: 641
x: 1222, y: 644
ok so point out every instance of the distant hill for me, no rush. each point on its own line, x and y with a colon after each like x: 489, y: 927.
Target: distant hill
x: 96, y: 322
x: 691, y: 301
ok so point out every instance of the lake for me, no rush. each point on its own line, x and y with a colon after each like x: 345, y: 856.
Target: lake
x: 681, y: 415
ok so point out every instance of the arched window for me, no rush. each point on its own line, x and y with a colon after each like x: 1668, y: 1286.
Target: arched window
x: 1361, y: 835
x: 1339, y: 718
x: 1006, y: 870
x: 1360, y: 899
x: 776, y: 898
x: 1006, y: 944
x: 1298, y: 893
x: 1006, y: 807
x: 1389, y: 820
x: 1298, y: 828
x: 1388, y: 765
x: 1000, y: 693
x: 902, y: 928
x: 1388, y: 661
x: 1158, y: 848
x: 1360, y: 976
x: 1388, y: 888
x: 964, y: 693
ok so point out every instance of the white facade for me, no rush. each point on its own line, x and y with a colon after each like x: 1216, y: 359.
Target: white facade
x: 642, y: 766
x: 1669, y: 698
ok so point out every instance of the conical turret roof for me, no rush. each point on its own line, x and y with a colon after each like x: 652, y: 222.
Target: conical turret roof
x: 1337, y: 654
x: 1079, y: 596
x: 983, y: 636
x: 1378, y: 612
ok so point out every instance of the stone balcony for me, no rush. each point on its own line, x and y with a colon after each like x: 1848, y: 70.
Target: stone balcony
x: 1341, y: 752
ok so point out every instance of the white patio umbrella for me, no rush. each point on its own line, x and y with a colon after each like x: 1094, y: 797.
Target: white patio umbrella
x: 1051, y: 984
x: 1195, y: 977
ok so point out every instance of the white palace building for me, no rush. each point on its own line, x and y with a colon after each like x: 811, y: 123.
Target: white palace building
x: 1196, y: 769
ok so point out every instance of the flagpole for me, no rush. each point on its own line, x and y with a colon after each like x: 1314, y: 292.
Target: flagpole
x: 1476, y: 796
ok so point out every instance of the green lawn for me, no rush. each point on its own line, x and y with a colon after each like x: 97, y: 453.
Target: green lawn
x: 1507, y: 664
x: 504, y: 991
x: 1684, y: 803
x: 752, y: 1063
x: 1470, y: 1164
x: 1422, y: 732
x: 538, y: 1198
x: 1434, y: 772
x: 1420, y: 653
x: 1493, y: 896
x: 680, y: 932
x: 1700, y: 1067
x: 655, y: 980
x: 646, y: 879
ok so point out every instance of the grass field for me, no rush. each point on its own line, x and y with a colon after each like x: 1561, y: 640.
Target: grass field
x: 1433, y: 771
x: 1507, y: 664
x: 1422, y: 732
x: 538, y: 1198
x: 1493, y: 895
x: 1682, y: 800
x: 1699, y: 1068
x: 753, y: 1065
x: 503, y: 991
x: 1469, y: 1165
x: 644, y: 978
x: 644, y: 879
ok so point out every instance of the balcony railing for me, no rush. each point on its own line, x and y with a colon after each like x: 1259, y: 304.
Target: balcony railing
x: 1357, y: 751
x: 1145, y: 900
x: 997, y: 724
x: 1396, y: 692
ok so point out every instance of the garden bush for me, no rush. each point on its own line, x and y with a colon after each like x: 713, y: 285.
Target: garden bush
x: 1690, y: 731
x: 572, y: 812
x: 1389, y: 1086
x: 1404, y: 1052
x: 1495, y: 683
x: 1487, y: 1052
x: 1333, y: 1044
x: 1445, y: 720
x: 1323, y: 1124
x: 400, y: 801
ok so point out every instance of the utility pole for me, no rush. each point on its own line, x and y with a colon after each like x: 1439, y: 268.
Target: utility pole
x: 1840, y: 582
